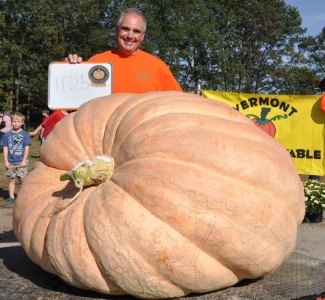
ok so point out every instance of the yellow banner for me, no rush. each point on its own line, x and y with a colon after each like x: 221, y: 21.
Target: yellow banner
x: 296, y: 121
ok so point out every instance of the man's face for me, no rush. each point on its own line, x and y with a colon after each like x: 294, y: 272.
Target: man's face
x: 130, y: 34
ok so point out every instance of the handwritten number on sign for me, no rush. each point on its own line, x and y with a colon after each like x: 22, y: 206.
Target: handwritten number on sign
x: 70, y: 83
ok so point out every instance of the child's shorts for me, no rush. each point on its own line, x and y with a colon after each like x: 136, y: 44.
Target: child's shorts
x: 14, y: 171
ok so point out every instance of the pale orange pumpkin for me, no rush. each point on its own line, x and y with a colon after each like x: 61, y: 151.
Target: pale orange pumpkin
x: 200, y: 198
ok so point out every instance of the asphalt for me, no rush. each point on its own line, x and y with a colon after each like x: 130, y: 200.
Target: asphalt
x: 302, y: 276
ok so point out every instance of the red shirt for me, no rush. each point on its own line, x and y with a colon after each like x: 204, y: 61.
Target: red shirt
x: 51, y: 121
x: 43, y: 122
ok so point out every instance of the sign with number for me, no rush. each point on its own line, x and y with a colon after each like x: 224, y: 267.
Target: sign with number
x: 71, y: 85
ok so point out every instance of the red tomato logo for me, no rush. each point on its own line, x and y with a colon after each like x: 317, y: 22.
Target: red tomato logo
x: 266, y: 124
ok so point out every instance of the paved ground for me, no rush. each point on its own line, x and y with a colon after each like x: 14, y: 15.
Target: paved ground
x: 301, y: 277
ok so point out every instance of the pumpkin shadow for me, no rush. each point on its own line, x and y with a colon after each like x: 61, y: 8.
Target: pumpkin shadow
x: 4, y: 193
x: 221, y: 294
x: 8, y: 237
x: 67, y: 192
x: 32, y: 279
x: 312, y: 297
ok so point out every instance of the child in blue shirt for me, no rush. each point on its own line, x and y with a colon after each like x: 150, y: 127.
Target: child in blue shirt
x: 16, y: 144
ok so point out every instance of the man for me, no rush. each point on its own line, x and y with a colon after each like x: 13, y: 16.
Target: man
x: 134, y: 71
x: 321, y: 86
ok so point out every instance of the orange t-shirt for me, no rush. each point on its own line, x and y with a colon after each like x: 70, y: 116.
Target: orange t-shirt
x: 322, y: 103
x: 138, y: 73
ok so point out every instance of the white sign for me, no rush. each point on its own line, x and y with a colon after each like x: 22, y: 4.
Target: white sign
x: 70, y: 85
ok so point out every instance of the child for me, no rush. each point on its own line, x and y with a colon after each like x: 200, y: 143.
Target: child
x: 40, y: 128
x: 48, y: 124
x: 16, y: 144
x: 54, y: 118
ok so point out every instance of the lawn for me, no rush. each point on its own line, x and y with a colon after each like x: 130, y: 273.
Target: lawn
x: 33, y: 155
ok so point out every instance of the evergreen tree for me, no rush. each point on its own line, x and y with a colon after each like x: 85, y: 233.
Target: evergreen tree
x: 227, y: 45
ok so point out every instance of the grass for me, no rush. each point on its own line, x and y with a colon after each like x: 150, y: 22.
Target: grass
x: 33, y: 155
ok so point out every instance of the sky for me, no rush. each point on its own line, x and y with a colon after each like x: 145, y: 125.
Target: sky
x: 312, y: 13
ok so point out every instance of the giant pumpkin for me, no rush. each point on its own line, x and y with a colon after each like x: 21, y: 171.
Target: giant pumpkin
x: 200, y: 198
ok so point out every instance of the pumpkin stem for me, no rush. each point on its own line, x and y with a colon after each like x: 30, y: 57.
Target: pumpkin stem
x: 65, y: 176
x: 91, y: 171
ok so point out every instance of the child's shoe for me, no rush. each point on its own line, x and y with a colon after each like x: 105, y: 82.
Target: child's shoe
x: 10, y: 201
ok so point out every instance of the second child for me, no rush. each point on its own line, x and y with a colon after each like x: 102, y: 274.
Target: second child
x: 40, y: 128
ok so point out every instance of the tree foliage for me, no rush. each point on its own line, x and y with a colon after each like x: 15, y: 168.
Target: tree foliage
x: 314, y: 49
x: 228, y: 45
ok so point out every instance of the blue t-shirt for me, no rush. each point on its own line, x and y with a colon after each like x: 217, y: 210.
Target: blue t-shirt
x: 16, y: 142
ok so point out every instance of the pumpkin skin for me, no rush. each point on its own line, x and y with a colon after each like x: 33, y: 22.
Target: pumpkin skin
x: 200, y: 198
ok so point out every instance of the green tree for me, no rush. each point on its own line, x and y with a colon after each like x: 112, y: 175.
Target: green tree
x: 258, y: 37
x: 38, y: 33
x: 182, y: 34
x: 227, y: 45
x: 5, y: 78
x: 314, y: 50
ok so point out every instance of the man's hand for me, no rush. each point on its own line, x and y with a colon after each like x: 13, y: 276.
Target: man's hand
x: 73, y: 59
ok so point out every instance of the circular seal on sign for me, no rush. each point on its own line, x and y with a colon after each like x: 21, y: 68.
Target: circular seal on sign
x: 98, y: 74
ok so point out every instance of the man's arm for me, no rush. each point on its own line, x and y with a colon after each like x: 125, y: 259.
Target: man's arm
x: 169, y: 82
